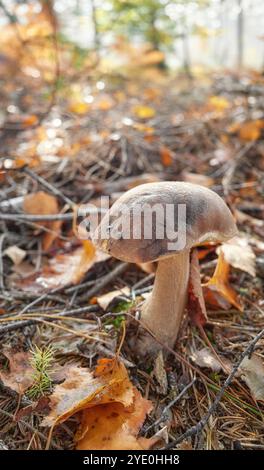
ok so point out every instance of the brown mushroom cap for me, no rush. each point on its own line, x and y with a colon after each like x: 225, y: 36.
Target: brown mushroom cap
x: 208, y: 219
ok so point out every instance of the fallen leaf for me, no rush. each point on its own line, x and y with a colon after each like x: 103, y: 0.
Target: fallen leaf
x: 219, y: 103
x: 64, y: 269
x: 239, y: 254
x: 112, y: 409
x: 19, y: 376
x: 83, y: 389
x: 196, y: 305
x: 15, y: 254
x: 42, y: 203
x: 250, y: 131
x: 166, y: 156
x: 30, y: 120
x: 205, y: 358
x: 115, y: 427
x: 217, y: 291
x: 79, y: 107
x: 253, y: 373
x: 106, y: 299
x: 144, y: 112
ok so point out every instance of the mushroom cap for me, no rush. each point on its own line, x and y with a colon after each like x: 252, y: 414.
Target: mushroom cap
x: 208, y: 219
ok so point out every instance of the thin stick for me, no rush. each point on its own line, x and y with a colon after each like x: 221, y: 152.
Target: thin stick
x: 2, y: 237
x: 117, y: 271
x: 172, y: 403
x: 48, y: 186
x: 21, y: 324
x: 36, y: 218
x: 202, y: 423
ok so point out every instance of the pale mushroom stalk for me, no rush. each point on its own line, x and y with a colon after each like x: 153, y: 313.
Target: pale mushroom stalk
x: 162, y: 312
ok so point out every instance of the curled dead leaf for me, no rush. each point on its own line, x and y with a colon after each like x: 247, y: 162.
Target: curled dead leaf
x: 63, y: 269
x: 217, y: 291
x: 239, y: 254
x: 42, y: 203
x: 19, y: 376
x: 253, y: 373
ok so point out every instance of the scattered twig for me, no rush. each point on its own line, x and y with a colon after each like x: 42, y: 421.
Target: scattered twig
x: 117, y: 271
x: 172, y: 403
x: 23, y: 323
x: 48, y: 186
x: 202, y: 423
x: 2, y: 237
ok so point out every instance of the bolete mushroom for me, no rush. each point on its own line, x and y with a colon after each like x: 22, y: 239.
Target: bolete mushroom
x: 162, y: 222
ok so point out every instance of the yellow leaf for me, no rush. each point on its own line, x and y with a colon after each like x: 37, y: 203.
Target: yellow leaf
x: 144, y: 112
x: 79, y: 108
x: 219, y: 103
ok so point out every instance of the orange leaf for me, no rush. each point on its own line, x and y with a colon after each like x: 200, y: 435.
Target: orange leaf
x: 30, y: 120
x: 83, y: 389
x: 250, y: 131
x: 166, y: 156
x: 64, y: 269
x: 42, y: 203
x: 217, y: 291
x: 115, y: 427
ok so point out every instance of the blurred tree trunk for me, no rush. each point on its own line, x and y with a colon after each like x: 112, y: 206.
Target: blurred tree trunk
x: 186, y: 54
x: 240, y: 35
x: 95, y: 27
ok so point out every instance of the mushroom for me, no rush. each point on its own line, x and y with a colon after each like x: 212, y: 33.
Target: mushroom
x: 162, y: 222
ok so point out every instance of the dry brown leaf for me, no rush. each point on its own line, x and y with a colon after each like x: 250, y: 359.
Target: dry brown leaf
x: 253, y: 373
x: 217, y: 291
x: 196, y: 305
x: 113, y: 410
x: 64, y: 269
x: 15, y: 254
x: 83, y: 389
x: 42, y: 203
x: 106, y: 299
x: 205, y: 358
x: 115, y: 427
x: 19, y: 377
x: 239, y: 254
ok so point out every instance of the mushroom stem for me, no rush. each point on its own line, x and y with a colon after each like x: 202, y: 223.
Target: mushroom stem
x: 163, y: 311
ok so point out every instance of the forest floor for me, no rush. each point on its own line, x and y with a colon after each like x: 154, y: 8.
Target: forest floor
x: 102, y: 138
